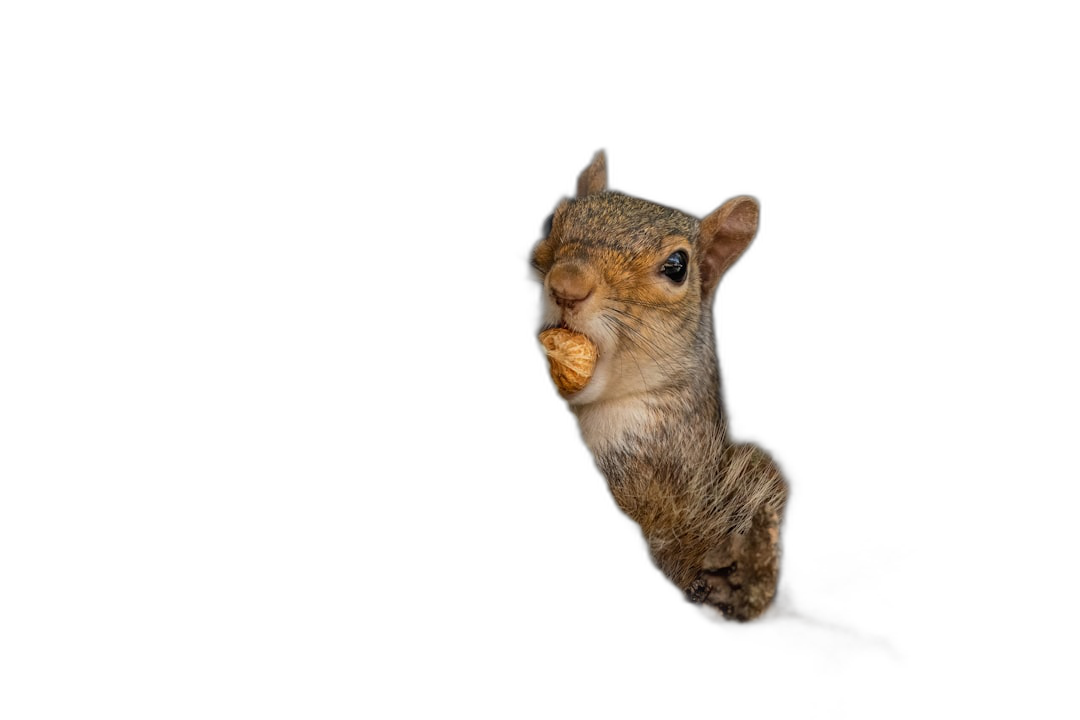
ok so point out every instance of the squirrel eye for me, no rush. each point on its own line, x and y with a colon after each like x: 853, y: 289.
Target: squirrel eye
x: 545, y: 225
x: 675, y: 266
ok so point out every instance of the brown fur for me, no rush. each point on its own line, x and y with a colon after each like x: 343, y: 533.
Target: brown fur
x: 710, y: 509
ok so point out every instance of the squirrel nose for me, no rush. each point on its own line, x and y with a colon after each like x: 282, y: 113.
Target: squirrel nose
x: 570, y: 284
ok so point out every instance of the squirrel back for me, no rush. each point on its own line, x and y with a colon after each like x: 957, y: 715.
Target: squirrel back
x: 638, y: 279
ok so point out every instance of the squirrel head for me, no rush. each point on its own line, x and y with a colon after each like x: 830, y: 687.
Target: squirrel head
x: 638, y: 279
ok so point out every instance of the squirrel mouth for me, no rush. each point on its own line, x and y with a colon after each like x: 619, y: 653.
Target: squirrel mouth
x: 576, y: 329
x: 563, y: 325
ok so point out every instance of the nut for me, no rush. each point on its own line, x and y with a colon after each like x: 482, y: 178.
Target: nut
x: 572, y: 357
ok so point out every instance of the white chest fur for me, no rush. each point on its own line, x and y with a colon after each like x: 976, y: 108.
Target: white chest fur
x: 608, y: 424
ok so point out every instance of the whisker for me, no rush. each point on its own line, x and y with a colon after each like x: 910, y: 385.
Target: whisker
x: 622, y: 329
x: 628, y: 301
x: 664, y: 335
x: 637, y: 339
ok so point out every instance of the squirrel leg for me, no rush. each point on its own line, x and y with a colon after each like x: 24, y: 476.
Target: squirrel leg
x: 739, y: 575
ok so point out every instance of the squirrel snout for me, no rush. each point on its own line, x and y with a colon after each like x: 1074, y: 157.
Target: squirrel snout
x: 569, y: 285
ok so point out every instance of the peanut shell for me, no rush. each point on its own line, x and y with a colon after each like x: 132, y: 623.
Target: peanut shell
x: 572, y: 358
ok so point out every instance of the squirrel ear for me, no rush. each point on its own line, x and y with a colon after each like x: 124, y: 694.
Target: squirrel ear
x: 593, y: 179
x: 725, y: 233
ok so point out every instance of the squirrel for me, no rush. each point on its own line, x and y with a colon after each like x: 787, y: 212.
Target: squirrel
x: 638, y: 280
